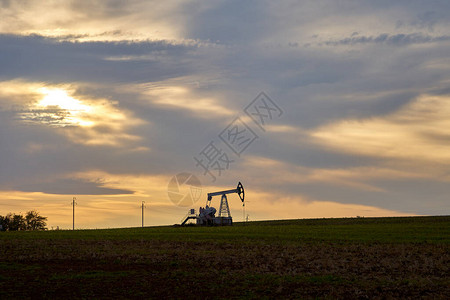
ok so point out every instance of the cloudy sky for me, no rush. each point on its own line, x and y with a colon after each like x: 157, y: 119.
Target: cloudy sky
x: 108, y: 100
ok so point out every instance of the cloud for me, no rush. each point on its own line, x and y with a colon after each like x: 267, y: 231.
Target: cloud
x: 82, y: 119
x: 38, y: 58
x: 143, y: 87
x: 400, y: 39
x: 289, y: 208
x: 180, y: 97
x: 69, y: 187
x: 418, y: 132
x: 96, y: 20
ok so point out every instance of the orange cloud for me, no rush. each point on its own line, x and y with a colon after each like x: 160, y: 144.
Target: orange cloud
x: 419, y: 131
x: 88, y: 121
x: 87, y: 21
x: 184, y: 98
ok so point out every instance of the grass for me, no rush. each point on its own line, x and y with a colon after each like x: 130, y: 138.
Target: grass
x: 321, y: 258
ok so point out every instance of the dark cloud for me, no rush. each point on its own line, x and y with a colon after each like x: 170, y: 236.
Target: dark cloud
x: 396, y: 39
x: 69, y: 187
x: 428, y: 19
x: 45, y: 59
x: 229, y: 22
x: 51, y: 116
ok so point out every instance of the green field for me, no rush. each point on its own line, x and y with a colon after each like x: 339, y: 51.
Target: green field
x: 321, y: 258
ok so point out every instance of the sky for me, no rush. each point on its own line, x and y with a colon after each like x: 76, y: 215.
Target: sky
x: 320, y: 109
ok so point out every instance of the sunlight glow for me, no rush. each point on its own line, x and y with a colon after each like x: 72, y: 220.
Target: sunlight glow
x: 59, y: 97
x: 67, y: 111
x: 81, y: 118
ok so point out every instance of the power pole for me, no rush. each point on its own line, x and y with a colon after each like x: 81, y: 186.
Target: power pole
x: 143, y: 206
x: 74, y: 199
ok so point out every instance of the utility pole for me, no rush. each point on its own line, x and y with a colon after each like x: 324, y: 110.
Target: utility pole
x: 143, y: 206
x: 74, y: 199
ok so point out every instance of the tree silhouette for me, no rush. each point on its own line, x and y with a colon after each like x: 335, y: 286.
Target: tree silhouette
x: 4, y: 224
x: 31, y: 221
x: 15, y: 222
x: 34, y: 221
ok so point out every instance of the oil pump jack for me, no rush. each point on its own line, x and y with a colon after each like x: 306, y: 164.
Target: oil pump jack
x: 206, y: 215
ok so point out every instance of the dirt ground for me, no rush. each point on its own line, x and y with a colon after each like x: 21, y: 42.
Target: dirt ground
x: 140, y: 268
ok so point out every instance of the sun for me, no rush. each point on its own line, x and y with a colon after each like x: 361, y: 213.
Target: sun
x: 57, y: 101
x: 60, y: 98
